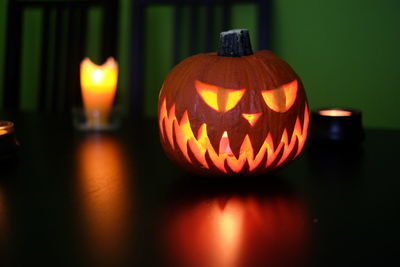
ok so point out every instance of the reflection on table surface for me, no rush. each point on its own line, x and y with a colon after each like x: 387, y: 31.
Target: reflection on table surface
x: 104, y: 198
x: 247, y: 223
x: 114, y: 199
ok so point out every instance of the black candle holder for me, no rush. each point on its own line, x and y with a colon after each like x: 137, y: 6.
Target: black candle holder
x: 336, y: 126
x: 8, y: 141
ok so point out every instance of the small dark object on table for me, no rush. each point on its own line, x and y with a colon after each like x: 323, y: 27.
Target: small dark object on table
x: 8, y: 141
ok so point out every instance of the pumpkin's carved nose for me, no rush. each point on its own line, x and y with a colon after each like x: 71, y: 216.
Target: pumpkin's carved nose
x: 251, y: 117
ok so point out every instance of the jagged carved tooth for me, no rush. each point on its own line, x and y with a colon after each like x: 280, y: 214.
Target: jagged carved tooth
x: 276, y: 136
x: 214, y: 136
x: 235, y: 165
x: 280, y: 148
x: 195, y: 154
x: 301, y: 138
x: 197, y: 151
x: 195, y: 128
x: 246, y: 155
x: 246, y: 167
x: 161, y: 117
x: 181, y: 140
x: 257, y: 141
x: 270, y: 150
x: 239, y: 137
x: 168, y: 125
x: 219, y: 165
x: 262, y: 162
x: 287, y: 146
x: 161, y: 127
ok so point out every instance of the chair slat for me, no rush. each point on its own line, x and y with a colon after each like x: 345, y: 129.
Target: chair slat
x: 43, y: 88
x: 63, y: 36
x: 56, y: 60
x: 77, y: 24
x: 136, y: 93
x: 193, y: 30
x: 63, y: 71
x: 209, y: 38
x: 50, y: 60
x: 110, y: 29
x: 177, y: 34
x: 225, y: 17
x: 264, y: 26
x: 13, y: 57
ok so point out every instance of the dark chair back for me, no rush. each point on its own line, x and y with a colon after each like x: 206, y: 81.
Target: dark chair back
x: 64, y: 37
x: 137, y: 29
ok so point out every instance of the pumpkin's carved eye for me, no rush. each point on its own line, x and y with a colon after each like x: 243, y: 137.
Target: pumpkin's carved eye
x: 218, y: 98
x: 282, y: 98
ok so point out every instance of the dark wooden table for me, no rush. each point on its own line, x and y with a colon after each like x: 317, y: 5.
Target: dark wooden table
x: 87, y: 199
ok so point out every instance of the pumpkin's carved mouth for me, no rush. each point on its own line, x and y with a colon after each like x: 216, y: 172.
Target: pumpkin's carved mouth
x: 180, y: 134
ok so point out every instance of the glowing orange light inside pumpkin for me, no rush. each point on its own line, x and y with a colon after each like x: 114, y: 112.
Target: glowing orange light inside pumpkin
x: 99, y: 84
x: 200, y: 145
x: 335, y: 113
x: 219, y: 98
x: 251, y: 118
x: 224, y: 146
x: 282, y: 98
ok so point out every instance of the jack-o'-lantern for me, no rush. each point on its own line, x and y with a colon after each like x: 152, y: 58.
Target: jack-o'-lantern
x: 235, y: 112
x: 235, y: 230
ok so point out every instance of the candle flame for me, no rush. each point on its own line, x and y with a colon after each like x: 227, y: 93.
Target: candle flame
x: 98, y: 75
x: 99, y: 85
x: 99, y: 78
x: 335, y: 113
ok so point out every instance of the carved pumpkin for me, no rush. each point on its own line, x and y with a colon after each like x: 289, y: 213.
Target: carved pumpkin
x: 235, y: 112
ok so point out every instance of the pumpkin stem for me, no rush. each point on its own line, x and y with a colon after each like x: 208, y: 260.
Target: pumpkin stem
x: 235, y: 43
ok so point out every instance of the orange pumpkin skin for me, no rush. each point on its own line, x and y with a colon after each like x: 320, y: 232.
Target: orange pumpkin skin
x: 223, y: 115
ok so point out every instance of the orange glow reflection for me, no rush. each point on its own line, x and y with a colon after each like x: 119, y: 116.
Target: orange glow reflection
x: 3, y: 219
x: 219, y: 98
x: 104, y: 198
x: 335, y: 113
x: 238, y: 231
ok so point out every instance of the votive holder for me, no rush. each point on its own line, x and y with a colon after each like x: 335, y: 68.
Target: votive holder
x: 94, y: 120
x: 336, y: 126
x: 8, y: 141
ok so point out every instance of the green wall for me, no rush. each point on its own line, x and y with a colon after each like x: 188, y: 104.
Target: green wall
x: 345, y: 52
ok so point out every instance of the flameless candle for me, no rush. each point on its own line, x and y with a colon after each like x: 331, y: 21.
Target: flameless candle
x: 6, y: 127
x: 336, y: 125
x: 334, y: 112
x: 98, y: 84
